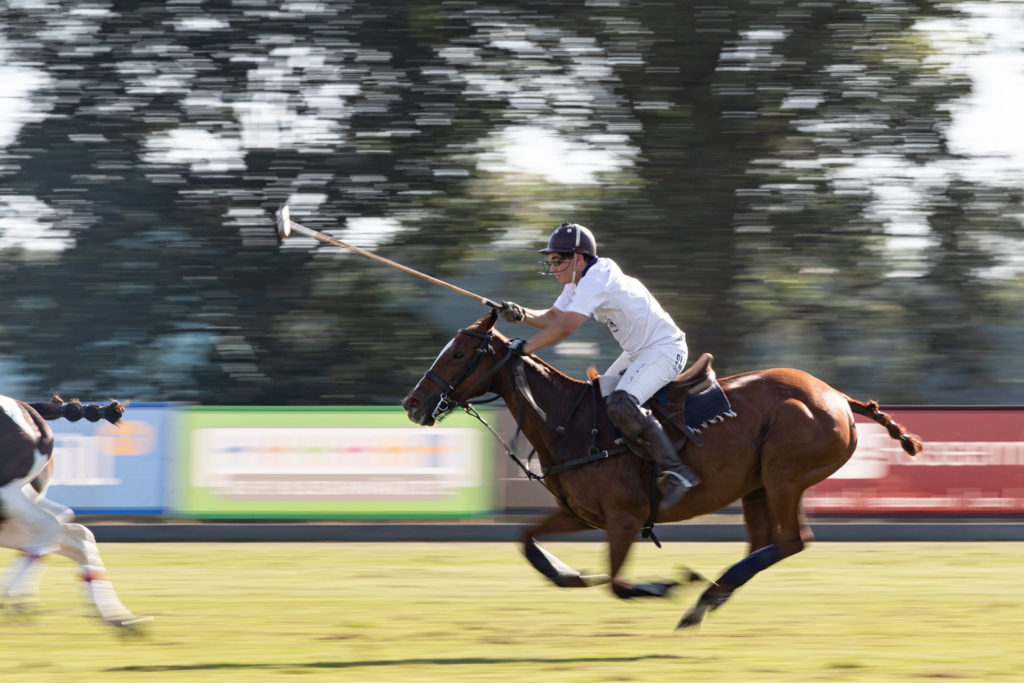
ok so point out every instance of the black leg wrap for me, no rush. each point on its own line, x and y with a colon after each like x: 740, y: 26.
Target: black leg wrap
x: 659, y: 589
x: 651, y: 589
x: 541, y: 561
x: 560, y: 574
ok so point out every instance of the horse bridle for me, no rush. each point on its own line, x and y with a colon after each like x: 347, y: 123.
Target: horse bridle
x: 449, y: 399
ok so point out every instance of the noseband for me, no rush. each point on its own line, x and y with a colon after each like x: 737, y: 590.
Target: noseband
x: 450, y: 400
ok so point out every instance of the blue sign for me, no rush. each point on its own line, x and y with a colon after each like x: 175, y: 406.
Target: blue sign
x: 100, y: 468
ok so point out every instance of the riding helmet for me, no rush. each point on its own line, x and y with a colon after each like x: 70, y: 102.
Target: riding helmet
x: 569, y: 238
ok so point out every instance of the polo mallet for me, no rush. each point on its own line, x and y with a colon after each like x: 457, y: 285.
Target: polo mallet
x: 285, y: 227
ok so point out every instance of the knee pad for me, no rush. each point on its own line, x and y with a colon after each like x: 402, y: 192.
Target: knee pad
x: 626, y: 414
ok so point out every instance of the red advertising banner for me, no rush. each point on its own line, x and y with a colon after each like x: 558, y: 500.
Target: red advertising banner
x: 973, y: 463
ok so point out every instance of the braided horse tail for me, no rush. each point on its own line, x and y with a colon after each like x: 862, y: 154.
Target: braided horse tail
x: 910, y: 444
x: 74, y: 410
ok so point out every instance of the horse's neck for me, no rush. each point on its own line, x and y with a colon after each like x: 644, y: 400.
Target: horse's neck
x: 555, y: 395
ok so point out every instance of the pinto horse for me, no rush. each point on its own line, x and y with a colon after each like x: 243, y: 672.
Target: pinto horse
x: 37, y: 526
x: 790, y: 431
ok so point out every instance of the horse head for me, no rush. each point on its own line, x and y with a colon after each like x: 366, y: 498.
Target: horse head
x: 465, y: 368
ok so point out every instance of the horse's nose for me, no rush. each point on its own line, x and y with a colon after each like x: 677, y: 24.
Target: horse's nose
x: 410, y: 403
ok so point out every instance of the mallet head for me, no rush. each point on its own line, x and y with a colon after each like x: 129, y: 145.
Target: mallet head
x: 284, y: 222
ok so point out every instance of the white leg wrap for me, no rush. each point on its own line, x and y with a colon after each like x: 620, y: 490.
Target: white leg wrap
x: 79, y: 544
x: 62, y: 512
x: 101, y: 594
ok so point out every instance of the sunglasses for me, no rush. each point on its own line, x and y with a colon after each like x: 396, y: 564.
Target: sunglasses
x: 556, y: 261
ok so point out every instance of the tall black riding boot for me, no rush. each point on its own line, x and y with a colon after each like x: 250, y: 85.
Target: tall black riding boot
x: 676, y: 478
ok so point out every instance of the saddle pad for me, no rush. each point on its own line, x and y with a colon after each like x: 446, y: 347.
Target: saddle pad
x: 707, y: 407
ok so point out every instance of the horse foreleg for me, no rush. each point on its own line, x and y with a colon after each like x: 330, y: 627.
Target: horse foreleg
x: 621, y: 534
x: 559, y: 573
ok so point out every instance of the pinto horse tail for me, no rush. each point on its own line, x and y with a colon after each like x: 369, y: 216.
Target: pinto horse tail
x: 74, y: 410
x: 910, y: 444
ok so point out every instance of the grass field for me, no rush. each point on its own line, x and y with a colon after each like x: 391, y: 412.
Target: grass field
x: 478, y: 612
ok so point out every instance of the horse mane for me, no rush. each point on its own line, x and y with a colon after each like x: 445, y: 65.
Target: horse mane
x: 540, y: 361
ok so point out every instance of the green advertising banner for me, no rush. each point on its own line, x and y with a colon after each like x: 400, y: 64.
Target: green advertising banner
x: 254, y: 462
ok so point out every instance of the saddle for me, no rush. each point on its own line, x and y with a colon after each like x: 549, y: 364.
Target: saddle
x: 670, y: 402
x: 693, y: 379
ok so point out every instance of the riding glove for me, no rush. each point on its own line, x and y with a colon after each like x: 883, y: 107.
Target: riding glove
x: 516, y: 346
x: 512, y: 312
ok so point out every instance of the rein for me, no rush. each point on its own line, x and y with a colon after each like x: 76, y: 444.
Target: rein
x: 450, y: 400
x: 594, y: 455
x: 510, y: 448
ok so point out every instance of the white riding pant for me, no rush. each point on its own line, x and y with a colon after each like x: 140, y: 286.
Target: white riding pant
x: 644, y: 373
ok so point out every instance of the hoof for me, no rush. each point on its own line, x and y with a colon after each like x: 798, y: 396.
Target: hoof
x: 131, y: 626
x: 654, y: 589
x: 21, y: 609
x: 693, y: 617
x: 595, y: 579
x: 708, y: 602
x: 650, y: 589
x: 693, y: 576
x: 569, y: 581
x: 578, y: 580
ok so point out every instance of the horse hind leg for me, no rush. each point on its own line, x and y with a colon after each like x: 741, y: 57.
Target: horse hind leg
x: 22, y: 584
x: 79, y: 544
x: 37, y: 524
x: 41, y: 525
x: 790, y: 535
x: 757, y: 519
x: 23, y: 579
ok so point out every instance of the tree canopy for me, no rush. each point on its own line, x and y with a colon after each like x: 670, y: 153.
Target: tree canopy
x: 778, y: 173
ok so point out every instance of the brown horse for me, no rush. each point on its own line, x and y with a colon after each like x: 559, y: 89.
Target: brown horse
x: 790, y: 431
x: 37, y: 526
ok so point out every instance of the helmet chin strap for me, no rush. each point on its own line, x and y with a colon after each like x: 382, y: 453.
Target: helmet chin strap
x: 575, y: 255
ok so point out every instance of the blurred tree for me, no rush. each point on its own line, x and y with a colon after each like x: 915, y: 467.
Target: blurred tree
x: 776, y: 171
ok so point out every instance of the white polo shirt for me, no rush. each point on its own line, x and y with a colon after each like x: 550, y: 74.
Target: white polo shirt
x: 634, y: 316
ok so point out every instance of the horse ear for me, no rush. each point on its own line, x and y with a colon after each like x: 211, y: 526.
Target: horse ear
x: 485, y: 323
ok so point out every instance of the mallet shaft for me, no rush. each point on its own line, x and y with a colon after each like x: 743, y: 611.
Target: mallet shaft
x: 327, y: 239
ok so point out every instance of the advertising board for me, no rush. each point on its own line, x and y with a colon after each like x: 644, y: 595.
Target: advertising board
x: 331, y: 463
x: 973, y: 463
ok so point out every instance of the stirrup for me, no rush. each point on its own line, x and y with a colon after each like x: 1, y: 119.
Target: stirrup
x: 673, y: 489
x: 686, y: 483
